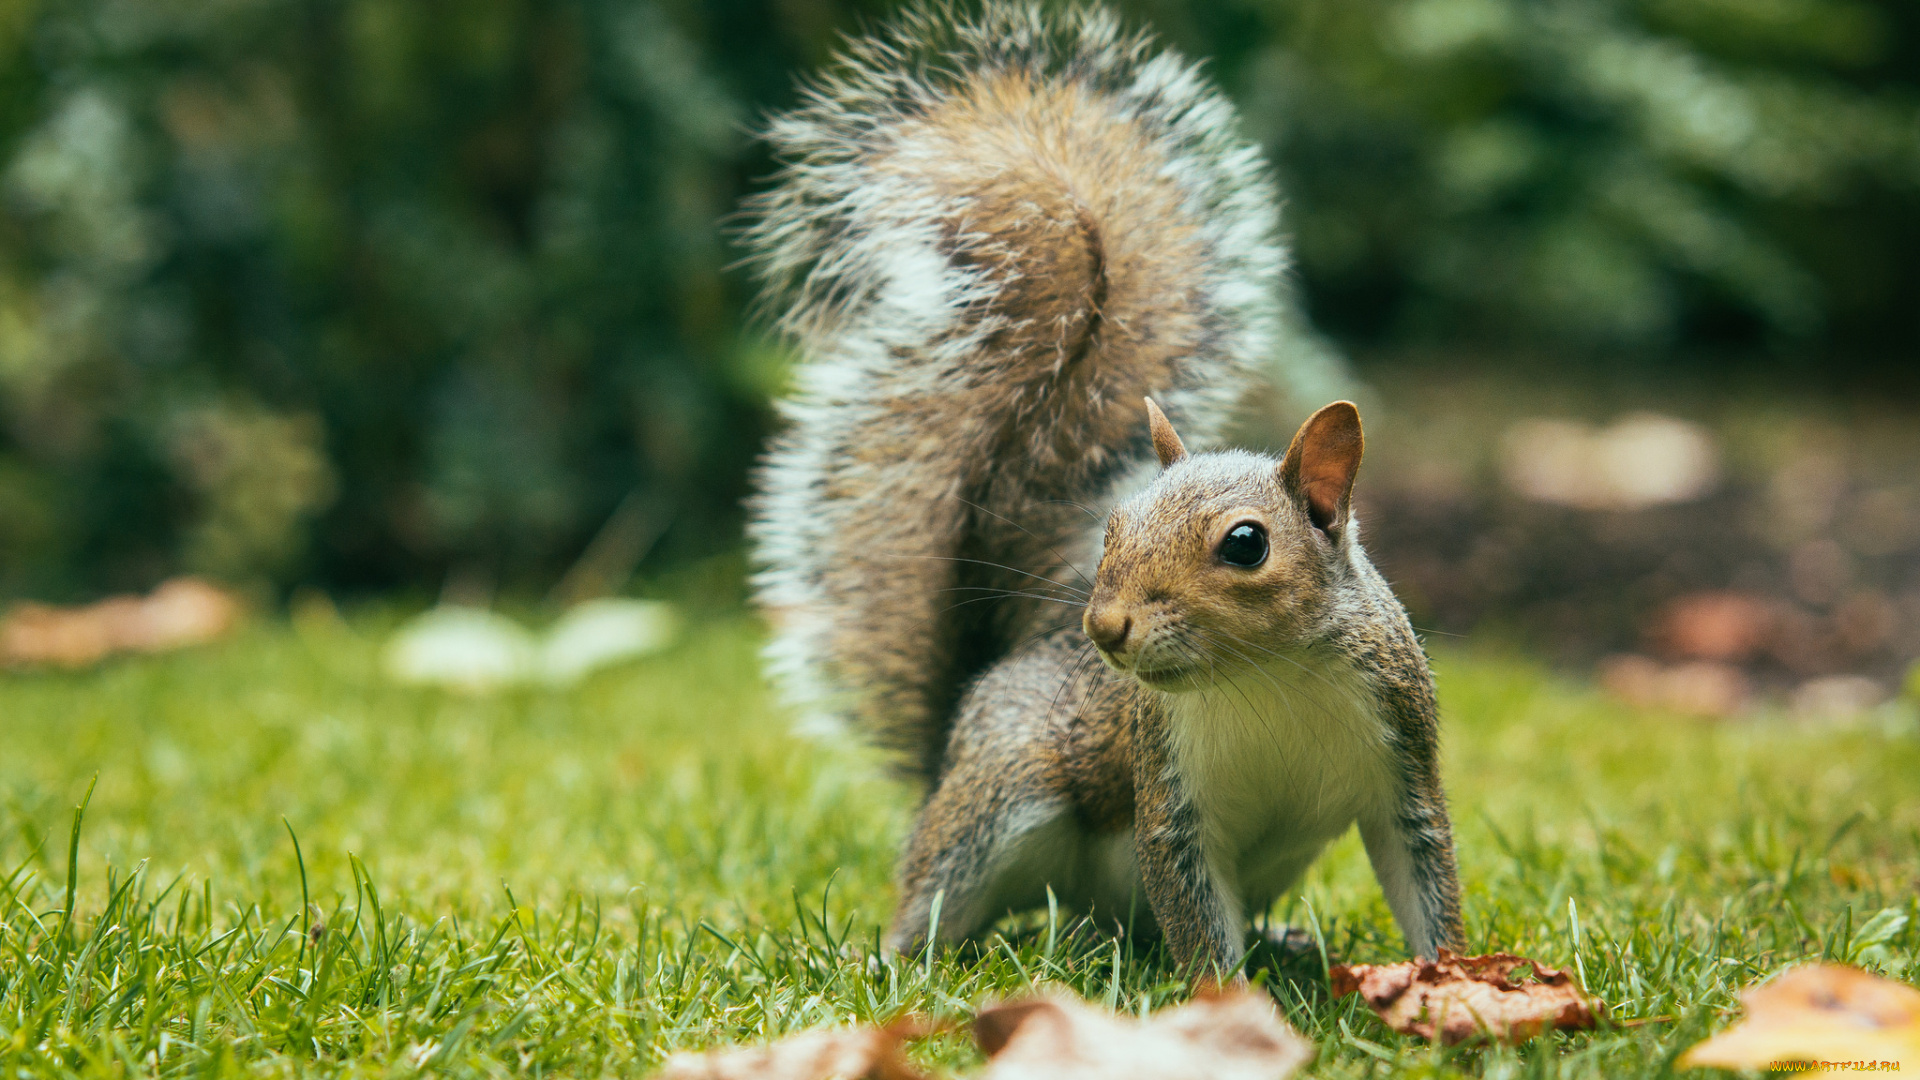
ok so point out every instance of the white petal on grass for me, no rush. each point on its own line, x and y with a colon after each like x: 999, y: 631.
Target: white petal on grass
x: 1641, y: 460
x: 600, y: 633
x: 461, y: 648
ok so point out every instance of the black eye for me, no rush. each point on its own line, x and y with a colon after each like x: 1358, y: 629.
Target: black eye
x: 1244, y: 545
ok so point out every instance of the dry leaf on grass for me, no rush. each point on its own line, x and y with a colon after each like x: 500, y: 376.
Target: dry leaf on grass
x: 1238, y: 1036
x: 836, y: 1054
x: 181, y: 612
x: 1820, y: 1013
x: 1458, y: 997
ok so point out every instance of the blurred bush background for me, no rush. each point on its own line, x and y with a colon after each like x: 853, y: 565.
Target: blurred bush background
x: 362, y: 293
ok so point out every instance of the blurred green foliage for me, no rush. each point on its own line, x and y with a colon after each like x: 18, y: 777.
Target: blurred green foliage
x: 359, y: 291
x: 1604, y: 176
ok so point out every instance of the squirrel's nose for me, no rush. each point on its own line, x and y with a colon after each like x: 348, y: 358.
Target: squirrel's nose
x: 1108, y: 628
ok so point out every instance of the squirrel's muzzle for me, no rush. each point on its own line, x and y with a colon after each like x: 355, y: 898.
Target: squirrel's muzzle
x: 1108, y: 627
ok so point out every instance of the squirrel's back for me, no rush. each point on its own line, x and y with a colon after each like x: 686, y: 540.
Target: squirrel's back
x: 994, y: 234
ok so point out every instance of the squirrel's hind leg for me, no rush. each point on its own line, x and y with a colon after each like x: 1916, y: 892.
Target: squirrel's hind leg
x: 1009, y: 817
x: 991, y: 839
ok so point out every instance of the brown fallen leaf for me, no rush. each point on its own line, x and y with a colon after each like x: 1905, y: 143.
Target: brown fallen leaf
x: 1234, y: 1036
x: 1723, y: 626
x: 1455, y: 998
x: 1697, y: 688
x: 181, y: 612
x: 1825, y: 1013
x: 835, y: 1054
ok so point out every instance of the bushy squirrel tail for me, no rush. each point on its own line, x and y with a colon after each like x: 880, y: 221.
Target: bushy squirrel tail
x: 994, y: 234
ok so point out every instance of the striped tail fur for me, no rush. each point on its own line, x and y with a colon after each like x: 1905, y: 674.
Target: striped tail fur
x: 994, y: 233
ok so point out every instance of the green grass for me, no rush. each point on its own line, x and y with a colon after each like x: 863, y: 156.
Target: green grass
x: 577, y: 883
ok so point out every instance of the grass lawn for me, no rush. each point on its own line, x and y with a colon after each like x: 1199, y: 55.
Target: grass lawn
x: 576, y: 883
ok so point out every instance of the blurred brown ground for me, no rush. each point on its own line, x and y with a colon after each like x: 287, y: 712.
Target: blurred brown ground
x: 1784, y: 567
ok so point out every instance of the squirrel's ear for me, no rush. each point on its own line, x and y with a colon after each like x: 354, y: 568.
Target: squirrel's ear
x: 1320, y: 465
x: 1166, y: 443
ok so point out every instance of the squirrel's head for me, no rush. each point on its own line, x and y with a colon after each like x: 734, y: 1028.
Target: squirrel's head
x: 1226, y: 559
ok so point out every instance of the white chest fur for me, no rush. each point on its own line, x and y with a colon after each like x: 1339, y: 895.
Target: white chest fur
x: 1279, y: 760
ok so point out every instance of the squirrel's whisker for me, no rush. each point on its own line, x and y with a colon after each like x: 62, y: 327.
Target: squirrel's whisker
x: 1291, y: 695
x: 996, y: 566
x: 1253, y: 711
x: 1085, y: 657
x: 1077, y: 506
x: 1001, y: 594
x: 1019, y: 649
x: 1064, y: 561
x: 1277, y: 655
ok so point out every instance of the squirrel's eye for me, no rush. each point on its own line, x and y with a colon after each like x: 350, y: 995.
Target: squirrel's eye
x: 1244, y: 545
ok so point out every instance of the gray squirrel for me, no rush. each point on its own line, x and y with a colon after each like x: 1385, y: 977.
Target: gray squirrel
x: 995, y: 236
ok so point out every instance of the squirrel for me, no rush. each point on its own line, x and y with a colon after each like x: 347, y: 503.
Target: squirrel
x: 1012, y: 248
